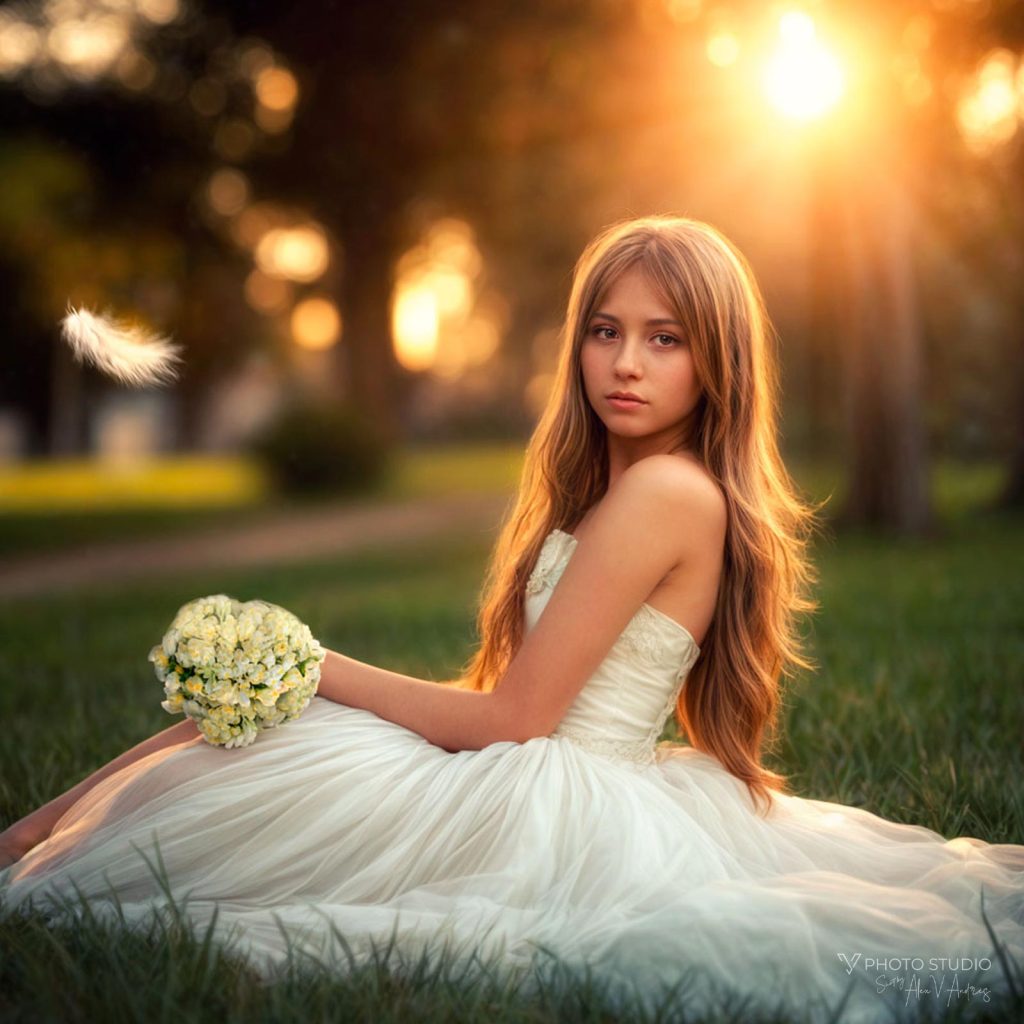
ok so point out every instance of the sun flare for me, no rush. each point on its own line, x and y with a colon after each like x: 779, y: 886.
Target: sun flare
x: 802, y: 79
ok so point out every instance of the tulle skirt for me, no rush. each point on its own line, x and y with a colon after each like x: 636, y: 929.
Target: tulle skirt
x: 340, y: 834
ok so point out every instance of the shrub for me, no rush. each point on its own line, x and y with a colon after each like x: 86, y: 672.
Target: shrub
x: 321, y: 449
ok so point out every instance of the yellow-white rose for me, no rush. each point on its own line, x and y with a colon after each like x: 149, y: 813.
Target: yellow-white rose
x: 173, y: 704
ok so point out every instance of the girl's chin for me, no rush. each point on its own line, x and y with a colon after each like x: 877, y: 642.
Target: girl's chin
x: 630, y: 431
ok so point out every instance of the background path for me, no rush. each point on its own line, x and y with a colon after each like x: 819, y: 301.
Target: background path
x: 291, y: 537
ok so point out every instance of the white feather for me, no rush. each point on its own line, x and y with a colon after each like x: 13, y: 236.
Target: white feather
x: 129, y: 353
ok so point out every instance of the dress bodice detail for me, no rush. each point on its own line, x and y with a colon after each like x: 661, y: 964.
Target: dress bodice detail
x: 622, y: 709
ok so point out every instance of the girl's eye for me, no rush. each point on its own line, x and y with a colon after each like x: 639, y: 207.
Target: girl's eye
x: 599, y: 328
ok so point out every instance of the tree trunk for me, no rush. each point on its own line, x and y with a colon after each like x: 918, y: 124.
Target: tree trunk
x: 68, y: 424
x: 374, y: 381
x: 888, y: 483
x: 1012, y: 495
x: 827, y: 308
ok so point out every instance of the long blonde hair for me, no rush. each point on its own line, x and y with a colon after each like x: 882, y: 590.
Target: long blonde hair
x: 730, y: 703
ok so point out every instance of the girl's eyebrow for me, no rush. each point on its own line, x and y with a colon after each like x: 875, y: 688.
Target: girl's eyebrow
x: 650, y: 323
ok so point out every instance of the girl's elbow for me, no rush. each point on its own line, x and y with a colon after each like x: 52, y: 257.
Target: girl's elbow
x: 518, y: 725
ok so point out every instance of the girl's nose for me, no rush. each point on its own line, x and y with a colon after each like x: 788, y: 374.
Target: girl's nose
x: 627, y: 359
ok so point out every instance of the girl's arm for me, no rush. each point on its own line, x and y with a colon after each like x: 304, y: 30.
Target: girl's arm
x: 634, y: 539
x: 447, y: 716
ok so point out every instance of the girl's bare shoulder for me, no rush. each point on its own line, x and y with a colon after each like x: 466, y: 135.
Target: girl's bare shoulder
x: 691, y: 486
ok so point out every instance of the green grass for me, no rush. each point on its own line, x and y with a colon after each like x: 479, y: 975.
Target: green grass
x: 95, y: 972
x: 915, y: 713
x: 76, y: 686
x: 915, y: 710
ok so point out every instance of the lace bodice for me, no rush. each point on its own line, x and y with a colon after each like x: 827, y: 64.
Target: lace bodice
x: 623, y: 707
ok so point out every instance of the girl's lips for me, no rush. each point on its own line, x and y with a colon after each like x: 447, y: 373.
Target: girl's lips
x: 626, y: 403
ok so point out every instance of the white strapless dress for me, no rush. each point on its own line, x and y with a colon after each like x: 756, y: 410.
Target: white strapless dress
x: 644, y: 861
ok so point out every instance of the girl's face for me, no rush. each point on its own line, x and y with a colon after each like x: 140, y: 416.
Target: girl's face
x: 633, y: 343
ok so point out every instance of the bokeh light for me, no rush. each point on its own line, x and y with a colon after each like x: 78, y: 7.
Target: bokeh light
x: 988, y: 112
x: 227, y: 191
x: 439, y: 322
x: 159, y: 12
x: 276, y: 88
x: 683, y: 11
x: 135, y: 71
x: 451, y: 289
x: 316, y: 323
x: 19, y: 44
x: 299, y: 253
x: 471, y: 346
x: 254, y: 222
x: 450, y: 242
x: 415, y: 322
x: 723, y: 49
x: 253, y: 57
x: 87, y: 47
x: 277, y: 92
x: 267, y: 295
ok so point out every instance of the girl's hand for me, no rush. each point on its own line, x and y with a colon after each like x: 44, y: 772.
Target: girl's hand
x: 12, y: 849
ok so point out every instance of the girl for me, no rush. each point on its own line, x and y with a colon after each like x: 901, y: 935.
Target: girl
x: 656, y: 541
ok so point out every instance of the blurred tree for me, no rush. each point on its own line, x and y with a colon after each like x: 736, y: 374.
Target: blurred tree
x: 99, y: 211
x: 971, y: 154
x: 39, y: 220
x: 891, y: 171
x: 539, y: 122
x: 420, y: 106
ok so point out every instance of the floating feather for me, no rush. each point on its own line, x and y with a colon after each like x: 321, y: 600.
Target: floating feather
x: 129, y: 353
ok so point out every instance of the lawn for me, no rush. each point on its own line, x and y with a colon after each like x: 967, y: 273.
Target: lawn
x: 914, y: 712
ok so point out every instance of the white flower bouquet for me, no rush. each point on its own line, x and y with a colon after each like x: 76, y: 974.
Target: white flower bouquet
x: 236, y: 667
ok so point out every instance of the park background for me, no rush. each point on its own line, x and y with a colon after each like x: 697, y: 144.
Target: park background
x: 360, y: 221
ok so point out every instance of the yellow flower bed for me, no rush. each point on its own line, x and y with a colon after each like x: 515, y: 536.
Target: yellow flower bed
x: 159, y: 482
